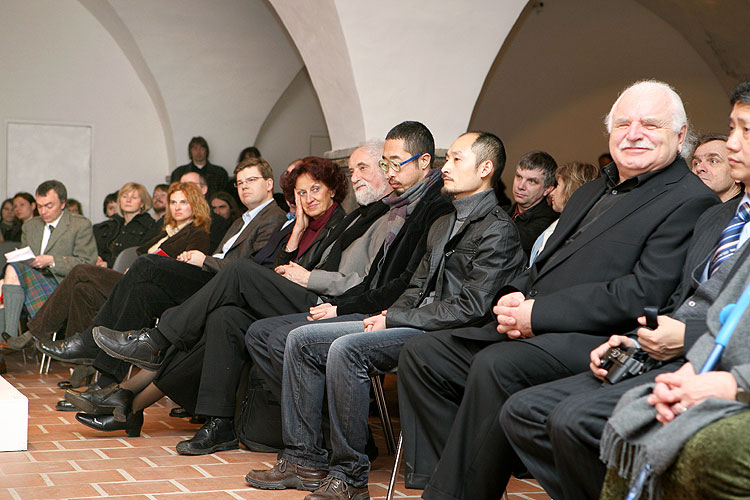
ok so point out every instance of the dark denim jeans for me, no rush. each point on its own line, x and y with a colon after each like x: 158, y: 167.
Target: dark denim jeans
x: 338, y: 358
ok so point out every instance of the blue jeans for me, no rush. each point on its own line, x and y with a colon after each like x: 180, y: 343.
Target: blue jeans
x: 338, y: 358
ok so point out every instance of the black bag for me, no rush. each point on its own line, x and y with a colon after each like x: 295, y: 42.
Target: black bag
x: 259, y: 424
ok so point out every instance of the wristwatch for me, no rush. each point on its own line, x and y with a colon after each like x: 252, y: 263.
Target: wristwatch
x: 742, y: 396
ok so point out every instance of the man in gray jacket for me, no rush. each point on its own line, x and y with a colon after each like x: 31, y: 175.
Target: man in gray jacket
x: 470, y: 254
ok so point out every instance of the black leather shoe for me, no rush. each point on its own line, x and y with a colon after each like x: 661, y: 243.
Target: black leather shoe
x: 216, y: 435
x: 70, y: 350
x: 65, y: 406
x: 110, y: 400
x: 134, y: 346
x: 131, y: 426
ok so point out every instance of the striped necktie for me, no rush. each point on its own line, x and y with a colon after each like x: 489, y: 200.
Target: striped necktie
x: 730, y: 237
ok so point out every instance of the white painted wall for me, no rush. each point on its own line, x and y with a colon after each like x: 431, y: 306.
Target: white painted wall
x: 551, y: 87
x: 221, y: 65
x: 295, y: 128
x: 60, y: 66
x: 423, y: 60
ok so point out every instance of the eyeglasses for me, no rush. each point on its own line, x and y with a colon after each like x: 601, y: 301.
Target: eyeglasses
x: 385, y: 164
x: 247, y: 181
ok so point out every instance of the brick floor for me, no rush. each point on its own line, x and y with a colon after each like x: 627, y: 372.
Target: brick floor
x: 68, y: 460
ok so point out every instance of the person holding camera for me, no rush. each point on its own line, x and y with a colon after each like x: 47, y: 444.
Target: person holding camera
x: 555, y: 428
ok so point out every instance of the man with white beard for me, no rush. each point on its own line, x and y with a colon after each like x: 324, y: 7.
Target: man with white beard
x: 220, y: 313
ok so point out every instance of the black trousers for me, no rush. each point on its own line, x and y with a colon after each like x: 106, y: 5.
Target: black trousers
x: 241, y: 293
x: 451, y: 391
x: 555, y: 429
x: 153, y: 284
x: 266, y: 339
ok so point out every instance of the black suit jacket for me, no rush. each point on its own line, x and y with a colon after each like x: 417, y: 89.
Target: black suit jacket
x: 252, y: 238
x: 706, y: 236
x: 631, y: 256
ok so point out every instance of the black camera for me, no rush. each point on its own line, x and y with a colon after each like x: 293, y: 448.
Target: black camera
x: 625, y: 362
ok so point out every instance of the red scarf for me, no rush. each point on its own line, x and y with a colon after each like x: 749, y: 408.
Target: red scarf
x: 315, y: 226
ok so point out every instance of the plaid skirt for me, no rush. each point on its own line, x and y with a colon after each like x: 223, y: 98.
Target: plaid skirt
x: 37, y: 286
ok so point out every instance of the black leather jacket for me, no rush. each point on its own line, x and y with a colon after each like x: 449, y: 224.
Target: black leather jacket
x: 482, y: 257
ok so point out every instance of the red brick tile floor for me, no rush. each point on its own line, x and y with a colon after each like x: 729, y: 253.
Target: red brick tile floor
x: 68, y: 460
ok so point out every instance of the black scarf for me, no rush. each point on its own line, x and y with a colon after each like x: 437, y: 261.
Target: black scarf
x: 352, y: 227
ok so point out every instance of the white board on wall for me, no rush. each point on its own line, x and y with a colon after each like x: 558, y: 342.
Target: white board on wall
x: 38, y: 152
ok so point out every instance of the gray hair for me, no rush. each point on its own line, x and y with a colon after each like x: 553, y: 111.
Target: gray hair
x: 679, y: 117
x: 373, y: 148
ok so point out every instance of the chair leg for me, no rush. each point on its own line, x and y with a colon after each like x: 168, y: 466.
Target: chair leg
x: 396, y: 464
x: 46, y: 358
x: 385, y: 419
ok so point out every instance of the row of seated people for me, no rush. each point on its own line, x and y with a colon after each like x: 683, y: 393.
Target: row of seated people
x: 332, y: 299
x: 134, y: 223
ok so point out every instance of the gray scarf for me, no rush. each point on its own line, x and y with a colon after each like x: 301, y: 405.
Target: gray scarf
x: 402, y: 206
x: 633, y: 437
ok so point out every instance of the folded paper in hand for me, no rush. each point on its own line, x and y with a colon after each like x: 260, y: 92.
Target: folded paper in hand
x: 20, y: 254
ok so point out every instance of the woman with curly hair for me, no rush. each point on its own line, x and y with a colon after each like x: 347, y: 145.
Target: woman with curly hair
x: 317, y: 187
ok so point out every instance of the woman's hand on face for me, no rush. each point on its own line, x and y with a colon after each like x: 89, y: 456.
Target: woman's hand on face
x: 302, y: 220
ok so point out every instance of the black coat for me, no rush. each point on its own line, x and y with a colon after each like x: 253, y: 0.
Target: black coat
x: 189, y: 237
x: 310, y: 257
x: 532, y: 223
x: 463, y: 271
x: 404, y: 256
x: 113, y: 235
x: 631, y: 256
x: 215, y: 175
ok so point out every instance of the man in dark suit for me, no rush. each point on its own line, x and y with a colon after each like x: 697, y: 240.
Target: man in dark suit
x: 556, y: 427
x: 155, y: 283
x: 534, y: 180
x: 198, y: 151
x: 620, y: 245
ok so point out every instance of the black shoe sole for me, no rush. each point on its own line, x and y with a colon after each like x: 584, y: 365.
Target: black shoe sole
x: 147, y: 365
x: 289, y: 483
x: 72, y: 408
x: 228, y: 445
x: 76, y: 361
x: 87, y: 406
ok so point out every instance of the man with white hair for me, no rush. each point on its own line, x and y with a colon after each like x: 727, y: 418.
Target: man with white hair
x: 222, y: 311
x: 619, y: 246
